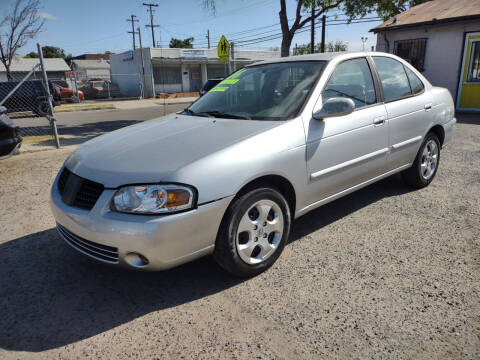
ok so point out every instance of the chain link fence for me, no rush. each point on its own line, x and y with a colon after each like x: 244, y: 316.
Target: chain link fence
x: 113, y: 87
x: 31, y: 95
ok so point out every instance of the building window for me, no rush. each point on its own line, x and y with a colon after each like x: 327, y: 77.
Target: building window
x: 167, y: 74
x: 474, y: 66
x: 411, y: 50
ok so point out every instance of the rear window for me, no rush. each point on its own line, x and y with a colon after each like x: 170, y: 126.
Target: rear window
x: 393, y: 78
x: 415, y: 83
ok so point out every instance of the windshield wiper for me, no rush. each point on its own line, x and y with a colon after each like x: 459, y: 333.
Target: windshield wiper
x: 193, y: 113
x: 220, y: 114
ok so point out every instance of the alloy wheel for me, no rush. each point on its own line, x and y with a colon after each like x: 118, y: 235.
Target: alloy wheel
x: 259, y: 232
x: 429, y: 161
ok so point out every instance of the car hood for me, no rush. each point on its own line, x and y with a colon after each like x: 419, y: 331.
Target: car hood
x: 151, y: 151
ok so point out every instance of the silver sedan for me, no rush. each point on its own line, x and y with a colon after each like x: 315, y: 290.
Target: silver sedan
x: 229, y: 175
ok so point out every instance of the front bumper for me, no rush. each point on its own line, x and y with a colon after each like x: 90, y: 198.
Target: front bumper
x: 166, y: 240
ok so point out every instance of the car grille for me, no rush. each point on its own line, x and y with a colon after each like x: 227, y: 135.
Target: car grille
x: 77, y: 191
x: 100, y: 252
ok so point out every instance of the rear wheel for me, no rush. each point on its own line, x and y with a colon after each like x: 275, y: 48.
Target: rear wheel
x: 253, y: 232
x: 426, y: 163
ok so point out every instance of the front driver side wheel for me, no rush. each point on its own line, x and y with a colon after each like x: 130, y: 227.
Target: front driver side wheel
x: 253, y: 232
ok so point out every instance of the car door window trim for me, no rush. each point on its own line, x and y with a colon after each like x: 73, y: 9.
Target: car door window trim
x: 409, y: 84
x: 377, y: 100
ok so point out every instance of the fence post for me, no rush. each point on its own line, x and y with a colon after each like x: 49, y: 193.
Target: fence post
x: 50, y: 116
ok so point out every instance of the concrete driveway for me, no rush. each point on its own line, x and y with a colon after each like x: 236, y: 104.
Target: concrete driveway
x: 386, y: 272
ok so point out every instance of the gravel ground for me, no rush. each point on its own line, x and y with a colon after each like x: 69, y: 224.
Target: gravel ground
x: 386, y: 272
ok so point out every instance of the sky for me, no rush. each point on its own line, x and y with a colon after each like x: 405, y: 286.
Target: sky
x: 95, y: 26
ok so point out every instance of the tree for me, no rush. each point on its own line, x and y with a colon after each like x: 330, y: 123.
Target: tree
x: 351, y: 8
x: 53, y: 52
x: 331, y: 46
x: 384, y: 8
x: 16, y: 28
x: 303, y: 6
x: 185, y: 43
x: 336, y: 46
x: 32, y: 55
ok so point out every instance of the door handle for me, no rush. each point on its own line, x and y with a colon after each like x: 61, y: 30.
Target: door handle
x: 379, y: 121
x: 428, y: 106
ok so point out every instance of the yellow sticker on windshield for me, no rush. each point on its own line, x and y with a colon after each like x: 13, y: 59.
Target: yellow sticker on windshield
x: 219, y: 88
x: 236, y: 75
x: 229, y: 82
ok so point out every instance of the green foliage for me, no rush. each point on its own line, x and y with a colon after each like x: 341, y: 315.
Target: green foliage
x: 185, y: 43
x: 331, y: 46
x: 384, y: 8
x: 53, y: 52
x: 32, y: 55
x: 336, y: 46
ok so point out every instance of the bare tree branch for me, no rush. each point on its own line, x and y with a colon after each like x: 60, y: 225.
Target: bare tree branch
x: 16, y: 28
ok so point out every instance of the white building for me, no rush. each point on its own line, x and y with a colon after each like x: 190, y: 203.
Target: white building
x: 91, y: 69
x: 175, y: 70
x: 55, y: 67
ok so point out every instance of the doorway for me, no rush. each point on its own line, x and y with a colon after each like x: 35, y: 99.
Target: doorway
x: 468, y: 96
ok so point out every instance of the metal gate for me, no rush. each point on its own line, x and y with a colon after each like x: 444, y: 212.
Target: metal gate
x: 195, y: 78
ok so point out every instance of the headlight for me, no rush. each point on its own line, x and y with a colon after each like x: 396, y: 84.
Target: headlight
x: 152, y: 199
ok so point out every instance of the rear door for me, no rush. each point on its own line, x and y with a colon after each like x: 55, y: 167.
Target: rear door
x: 347, y: 150
x: 409, y: 109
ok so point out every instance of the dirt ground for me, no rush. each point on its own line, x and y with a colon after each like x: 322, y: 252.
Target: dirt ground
x: 386, y: 272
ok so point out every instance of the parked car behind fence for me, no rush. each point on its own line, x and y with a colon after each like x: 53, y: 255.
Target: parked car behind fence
x: 30, y: 96
x: 10, y: 139
x: 100, y: 89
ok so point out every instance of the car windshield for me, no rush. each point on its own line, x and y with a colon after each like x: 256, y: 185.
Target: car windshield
x: 274, y: 91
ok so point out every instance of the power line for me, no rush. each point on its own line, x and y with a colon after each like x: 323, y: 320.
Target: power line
x: 280, y: 35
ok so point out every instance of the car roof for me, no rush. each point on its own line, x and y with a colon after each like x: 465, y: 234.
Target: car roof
x: 327, y: 56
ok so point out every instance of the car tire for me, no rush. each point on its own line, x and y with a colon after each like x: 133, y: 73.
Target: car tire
x: 41, y: 108
x: 265, y: 217
x: 426, y: 163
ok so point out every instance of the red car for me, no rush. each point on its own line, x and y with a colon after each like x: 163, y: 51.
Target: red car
x: 68, y: 94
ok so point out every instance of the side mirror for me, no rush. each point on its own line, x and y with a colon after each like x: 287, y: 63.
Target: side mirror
x: 337, y: 106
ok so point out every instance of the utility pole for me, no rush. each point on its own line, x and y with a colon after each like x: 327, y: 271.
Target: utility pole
x: 143, y: 63
x: 208, y: 37
x: 151, y: 20
x: 133, y: 21
x: 312, y: 31
x: 232, y: 57
x: 324, y: 18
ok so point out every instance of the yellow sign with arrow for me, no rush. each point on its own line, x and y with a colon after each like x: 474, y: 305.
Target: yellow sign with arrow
x: 223, y: 49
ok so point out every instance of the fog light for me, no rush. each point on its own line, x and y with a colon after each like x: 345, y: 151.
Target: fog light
x: 136, y: 260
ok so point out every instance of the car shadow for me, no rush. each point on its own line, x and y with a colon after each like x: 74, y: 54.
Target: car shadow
x: 471, y: 118
x: 51, y: 296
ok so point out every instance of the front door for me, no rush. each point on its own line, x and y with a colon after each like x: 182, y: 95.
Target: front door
x: 468, y: 97
x: 195, y: 78
x: 348, y: 150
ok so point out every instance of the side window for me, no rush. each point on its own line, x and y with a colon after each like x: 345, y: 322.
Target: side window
x: 415, y: 83
x: 352, y: 79
x: 393, y: 78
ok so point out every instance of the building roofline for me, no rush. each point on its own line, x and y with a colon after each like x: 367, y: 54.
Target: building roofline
x: 423, y: 23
